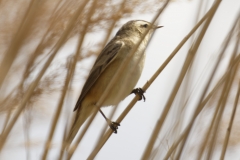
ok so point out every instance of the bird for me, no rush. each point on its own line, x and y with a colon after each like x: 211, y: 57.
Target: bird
x: 106, y: 65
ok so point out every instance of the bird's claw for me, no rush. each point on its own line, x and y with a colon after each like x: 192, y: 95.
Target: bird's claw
x: 114, y: 126
x: 140, y: 92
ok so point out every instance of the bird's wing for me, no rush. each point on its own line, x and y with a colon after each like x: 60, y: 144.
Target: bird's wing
x: 104, y: 59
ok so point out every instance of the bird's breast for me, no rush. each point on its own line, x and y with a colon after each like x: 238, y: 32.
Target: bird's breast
x: 127, y: 79
x: 130, y: 75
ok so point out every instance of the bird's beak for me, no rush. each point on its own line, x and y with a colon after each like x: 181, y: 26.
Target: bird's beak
x: 158, y: 27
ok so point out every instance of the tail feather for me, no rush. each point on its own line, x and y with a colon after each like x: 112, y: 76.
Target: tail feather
x: 81, y: 116
x: 74, y: 129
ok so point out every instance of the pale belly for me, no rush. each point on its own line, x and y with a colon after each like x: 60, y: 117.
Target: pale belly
x: 123, y: 85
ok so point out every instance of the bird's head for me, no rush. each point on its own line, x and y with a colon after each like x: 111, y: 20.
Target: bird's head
x: 137, y: 28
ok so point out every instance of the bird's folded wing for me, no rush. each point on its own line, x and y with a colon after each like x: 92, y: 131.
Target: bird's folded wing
x: 107, y: 55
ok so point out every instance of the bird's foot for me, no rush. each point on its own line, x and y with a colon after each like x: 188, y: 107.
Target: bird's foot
x: 114, y: 126
x: 140, y: 92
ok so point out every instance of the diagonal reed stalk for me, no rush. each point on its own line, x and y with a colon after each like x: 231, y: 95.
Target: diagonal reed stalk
x: 16, y: 43
x: 178, y: 134
x: 224, y: 148
x: 36, y: 81
x: 188, y: 61
x: 118, y: 73
x: 68, y: 79
x: 78, y: 51
x: 59, y: 108
x: 233, y: 61
x: 72, y: 150
x: 228, y: 131
x: 145, y: 87
x: 225, y: 94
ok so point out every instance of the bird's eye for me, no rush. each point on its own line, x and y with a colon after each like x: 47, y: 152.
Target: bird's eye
x: 144, y: 25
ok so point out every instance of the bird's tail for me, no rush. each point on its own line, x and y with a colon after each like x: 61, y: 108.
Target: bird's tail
x: 75, y: 126
x: 74, y: 129
x: 81, y: 116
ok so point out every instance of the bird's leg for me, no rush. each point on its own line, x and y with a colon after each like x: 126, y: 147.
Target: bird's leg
x: 112, y: 125
x: 140, y: 92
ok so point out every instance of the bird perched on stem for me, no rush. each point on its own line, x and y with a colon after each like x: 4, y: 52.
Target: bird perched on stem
x: 106, y: 65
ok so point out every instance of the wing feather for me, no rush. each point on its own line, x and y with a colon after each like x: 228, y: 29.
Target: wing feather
x: 107, y: 55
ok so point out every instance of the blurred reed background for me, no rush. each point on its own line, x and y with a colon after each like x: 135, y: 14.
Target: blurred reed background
x: 38, y: 83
